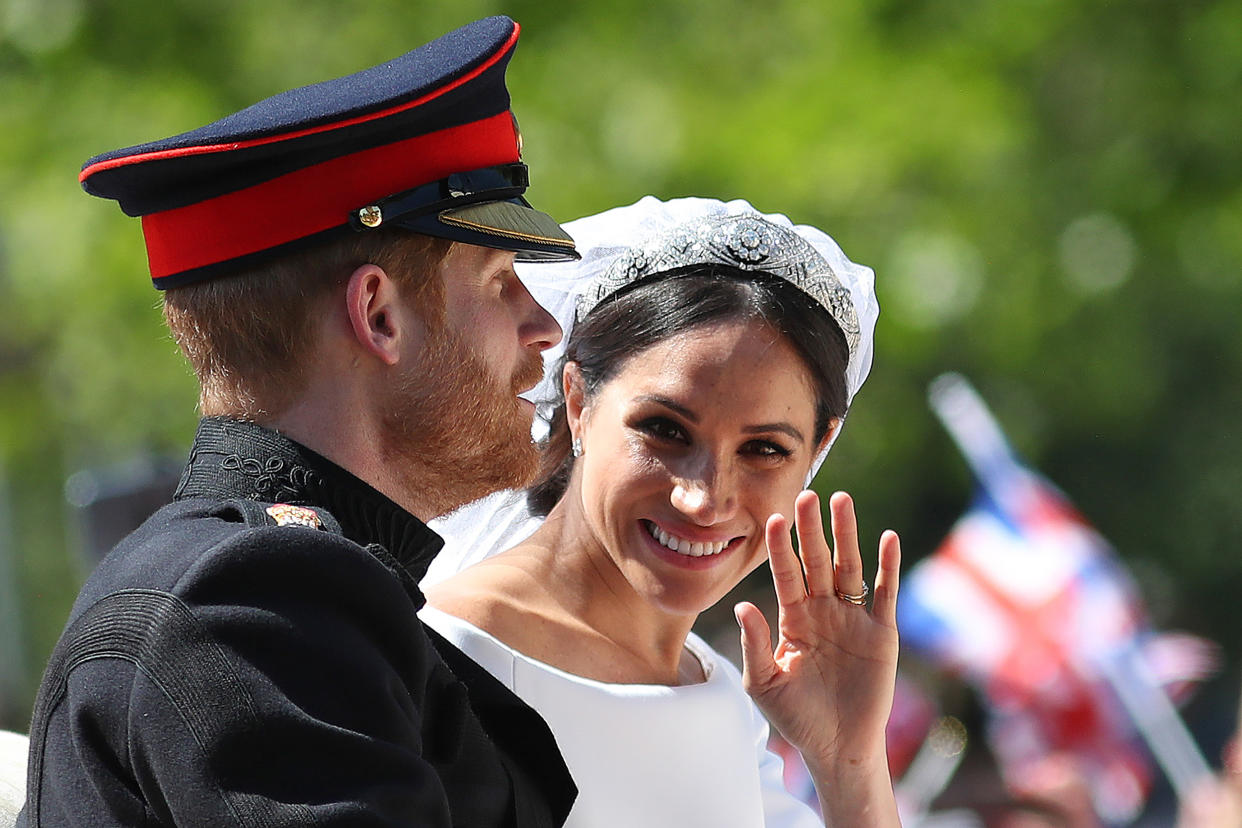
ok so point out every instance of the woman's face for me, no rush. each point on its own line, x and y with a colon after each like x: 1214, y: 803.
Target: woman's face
x: 686, y: 452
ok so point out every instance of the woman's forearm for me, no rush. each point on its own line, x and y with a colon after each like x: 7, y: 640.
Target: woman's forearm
x: 855, y: 793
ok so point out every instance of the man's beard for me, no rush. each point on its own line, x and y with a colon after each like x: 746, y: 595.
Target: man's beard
x: 454, y: 431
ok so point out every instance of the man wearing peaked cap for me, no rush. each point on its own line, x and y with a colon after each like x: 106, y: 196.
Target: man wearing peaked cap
x: 337, y: 265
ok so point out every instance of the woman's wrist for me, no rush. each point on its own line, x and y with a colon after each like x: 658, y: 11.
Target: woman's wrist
x: 869, y: 756
x: 850, y: 770
x: 854, y: 790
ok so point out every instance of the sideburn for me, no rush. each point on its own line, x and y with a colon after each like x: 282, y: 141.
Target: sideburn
x: 455, y: 430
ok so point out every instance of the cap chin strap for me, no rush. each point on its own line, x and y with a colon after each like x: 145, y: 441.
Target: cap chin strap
x: 483, y: 207
x: 500, y: 183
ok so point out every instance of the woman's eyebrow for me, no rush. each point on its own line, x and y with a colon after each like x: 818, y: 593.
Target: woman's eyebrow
x: 667, y: 403
x: 783, y: 428
x: 761, y: 428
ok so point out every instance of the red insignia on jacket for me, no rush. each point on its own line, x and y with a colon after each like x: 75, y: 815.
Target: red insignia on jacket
x: 286, y: 515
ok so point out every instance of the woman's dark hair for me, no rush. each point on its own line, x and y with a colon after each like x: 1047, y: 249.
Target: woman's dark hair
x: 650, y: 311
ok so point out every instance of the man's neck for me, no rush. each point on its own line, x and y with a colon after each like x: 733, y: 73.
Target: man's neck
x: 353, y: 442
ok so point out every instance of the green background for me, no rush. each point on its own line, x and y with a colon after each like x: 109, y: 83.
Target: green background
x: 1050, y: 192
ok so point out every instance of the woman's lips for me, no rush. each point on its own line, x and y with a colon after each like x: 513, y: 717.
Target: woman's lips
x: 685, y: 547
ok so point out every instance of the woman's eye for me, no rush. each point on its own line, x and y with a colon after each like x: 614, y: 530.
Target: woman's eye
x: 663, y: 429
x: 765, y: 448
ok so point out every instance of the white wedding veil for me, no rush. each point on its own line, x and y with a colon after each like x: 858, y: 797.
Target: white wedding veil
x: 630, y: 243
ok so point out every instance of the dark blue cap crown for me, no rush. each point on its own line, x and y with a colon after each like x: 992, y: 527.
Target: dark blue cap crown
x: 327, y: 158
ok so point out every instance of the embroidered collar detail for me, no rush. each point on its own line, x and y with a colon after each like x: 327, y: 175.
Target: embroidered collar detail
x: 234, y: 459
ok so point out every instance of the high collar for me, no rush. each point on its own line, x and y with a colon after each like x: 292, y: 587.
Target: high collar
x: 234, y: 459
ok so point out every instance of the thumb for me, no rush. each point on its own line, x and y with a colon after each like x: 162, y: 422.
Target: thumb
x: 758, y: 666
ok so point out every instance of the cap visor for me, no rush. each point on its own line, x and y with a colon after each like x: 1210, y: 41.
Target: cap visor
x: 507, y: 225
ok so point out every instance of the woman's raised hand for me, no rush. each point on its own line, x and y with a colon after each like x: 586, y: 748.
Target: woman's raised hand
x: 828, y: 685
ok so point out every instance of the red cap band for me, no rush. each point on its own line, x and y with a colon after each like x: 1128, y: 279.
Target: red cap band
x: 317, y: 198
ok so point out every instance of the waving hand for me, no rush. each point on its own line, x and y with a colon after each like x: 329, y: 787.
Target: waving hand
x: 828, y: 685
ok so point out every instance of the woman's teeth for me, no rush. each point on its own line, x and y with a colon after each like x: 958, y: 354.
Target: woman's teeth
x: 682, y: 546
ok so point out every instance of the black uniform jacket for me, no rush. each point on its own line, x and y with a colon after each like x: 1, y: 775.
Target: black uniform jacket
x: 220, y: 669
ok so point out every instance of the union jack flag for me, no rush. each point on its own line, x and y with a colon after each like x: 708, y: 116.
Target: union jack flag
x: 1030, y: 605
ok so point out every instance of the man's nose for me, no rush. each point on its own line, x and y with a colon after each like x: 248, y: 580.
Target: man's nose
x: 538, y: 327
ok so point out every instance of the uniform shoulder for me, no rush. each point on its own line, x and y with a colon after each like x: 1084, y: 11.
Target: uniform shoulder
x: 197, y: 534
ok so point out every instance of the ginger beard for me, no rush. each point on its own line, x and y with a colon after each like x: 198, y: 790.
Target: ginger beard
x: 458, y: 429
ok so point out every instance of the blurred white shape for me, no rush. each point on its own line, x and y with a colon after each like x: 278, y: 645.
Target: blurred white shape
x: 933, y: 278
x: 1097, y: 252
x: 930, y: 772
x: 36, y: 26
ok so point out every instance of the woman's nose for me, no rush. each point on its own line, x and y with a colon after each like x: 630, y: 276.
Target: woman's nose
x: 706, y: 497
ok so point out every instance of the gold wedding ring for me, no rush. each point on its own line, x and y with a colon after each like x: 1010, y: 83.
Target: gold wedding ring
x: 857, y: 600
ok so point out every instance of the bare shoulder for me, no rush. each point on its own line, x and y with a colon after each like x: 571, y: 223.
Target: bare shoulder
x: 495, y: 595
x: 471, y: 595
x: 510, y: 596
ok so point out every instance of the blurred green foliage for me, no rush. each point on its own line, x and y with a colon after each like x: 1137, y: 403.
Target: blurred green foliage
x: 1050, y: 192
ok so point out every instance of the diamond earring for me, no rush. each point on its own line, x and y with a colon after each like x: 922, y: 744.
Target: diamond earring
x: 577, y: 446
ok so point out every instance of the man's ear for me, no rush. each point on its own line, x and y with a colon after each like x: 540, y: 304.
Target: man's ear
x: 575, y: 395
x: 377, y: 316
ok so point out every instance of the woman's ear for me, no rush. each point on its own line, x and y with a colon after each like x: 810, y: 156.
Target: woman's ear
x: 833, y: 425
x: 376, y: 315
x: 575, y: 395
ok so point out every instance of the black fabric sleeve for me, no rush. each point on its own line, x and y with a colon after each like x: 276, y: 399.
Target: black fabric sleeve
x: 282, y: 680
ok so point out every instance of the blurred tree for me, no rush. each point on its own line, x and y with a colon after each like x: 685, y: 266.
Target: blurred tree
x: 1050, y: 192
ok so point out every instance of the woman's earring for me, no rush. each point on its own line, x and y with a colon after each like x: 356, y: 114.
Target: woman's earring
x: 577, y: 446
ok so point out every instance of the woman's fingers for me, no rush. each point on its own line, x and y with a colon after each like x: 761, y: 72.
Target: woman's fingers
x: 847, y: 559
x: 823, y: 570
x: 813, y: 545
x: 887, y: 579
x: 758, y: 665
x: 786, y: 571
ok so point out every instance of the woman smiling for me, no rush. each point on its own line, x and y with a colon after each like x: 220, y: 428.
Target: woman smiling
x: 711, y: 357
